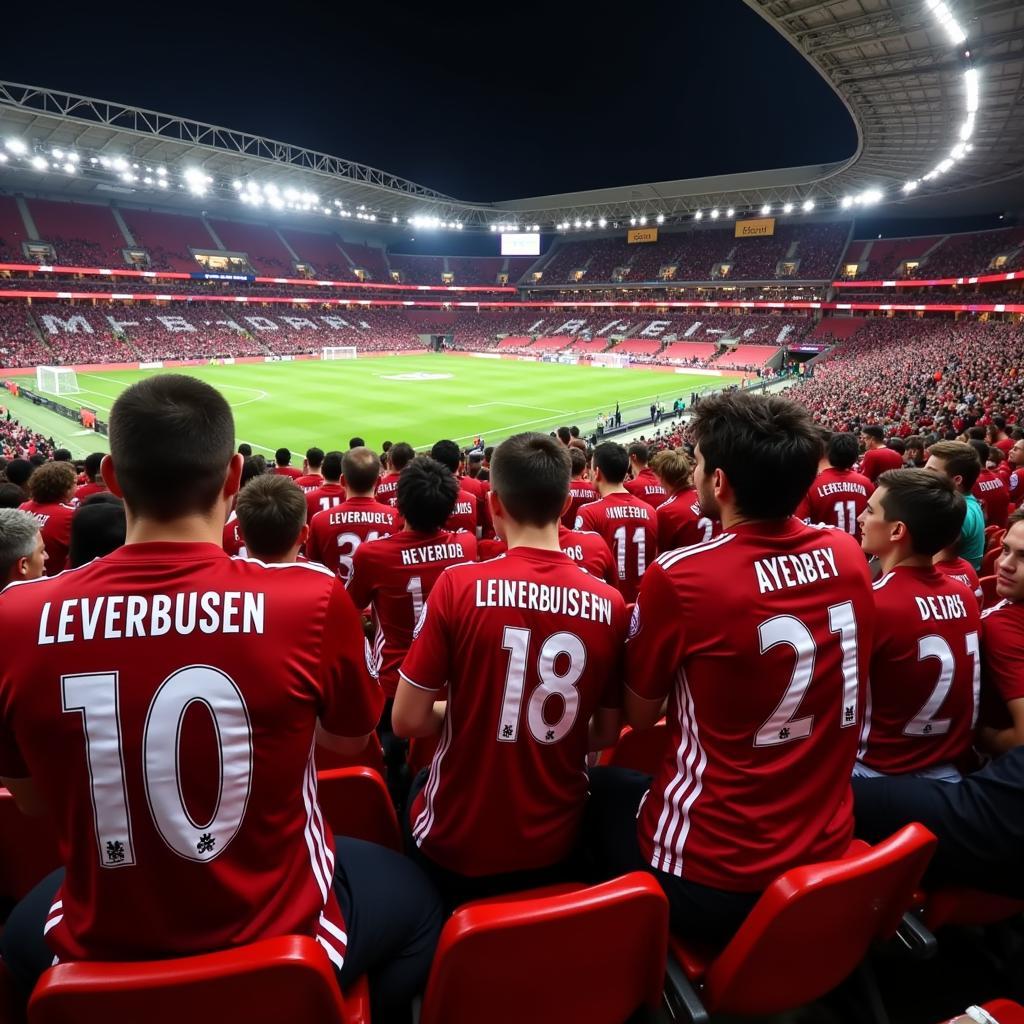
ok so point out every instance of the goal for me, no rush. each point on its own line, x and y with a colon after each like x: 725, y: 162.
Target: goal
x: 610, y: 359
x: 57, y: 380
x: 340, y: 352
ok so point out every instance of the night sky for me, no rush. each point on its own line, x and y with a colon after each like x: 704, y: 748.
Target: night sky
x: 513, y: 100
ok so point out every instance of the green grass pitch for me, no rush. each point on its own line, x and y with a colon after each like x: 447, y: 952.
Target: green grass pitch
x: 418, y: 399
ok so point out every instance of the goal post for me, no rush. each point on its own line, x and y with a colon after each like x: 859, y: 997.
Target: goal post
x: 339, y: 352
x: 57, y: 380
x: 618, y: 359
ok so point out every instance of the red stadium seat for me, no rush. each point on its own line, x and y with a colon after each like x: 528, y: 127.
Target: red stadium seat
x: 643, y: 750
x: 355, y: 803
x: 807, y: 933
x: 274, y: 980
x: 535, y: 956
x: 28, y: 852
x: 988, y: 591
x: 969, y: 908
x: 371, y: 756
x: 988, y: 561
x: 1003, y: 1011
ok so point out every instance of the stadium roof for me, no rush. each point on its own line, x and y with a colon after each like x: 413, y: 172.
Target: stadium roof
x: 935, y: 89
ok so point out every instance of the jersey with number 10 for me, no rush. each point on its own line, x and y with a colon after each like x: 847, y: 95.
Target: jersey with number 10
x: 761, y: 639
x: 394, y: 576
x: 530, y: 646
x: 629, y: 527
x: 166, y: 711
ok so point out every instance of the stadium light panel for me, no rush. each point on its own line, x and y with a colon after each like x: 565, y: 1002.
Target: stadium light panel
x: 394, y: 220
x: 870, y: 196
x: 766, y: 209
x: 119, y: 164
x: 16, y: 146
x: 699, y: 215
x: 588, y: 224
x: 576, y: 224
x: 643, y: 219
x: 910, y: 186
x: 69, y: 168
x: 808, y: 205
x: 161, y: 171
x: 788, y: 208
x: 39, y: 163
x: 3, y: 158
x: 949, y: 24
x: 632, y: 221
x: 57, y: 154
x: 847, y: 202
x: 494, y: 227
x: 973, y: 90
x: 236, y: 185
x: 715, y: 214
x: 458, y: 225
x: 967, y: 128
x: 731, y: 212
x: 660, y: 219
x: 74, y: 157
x: 602, y: 223
x: 162, y: 182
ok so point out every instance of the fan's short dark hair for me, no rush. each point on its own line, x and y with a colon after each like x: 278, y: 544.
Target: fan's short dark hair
x: 426, y: 494
x: 530, y: 474
x: 613, y: 461
x: 172, y: 438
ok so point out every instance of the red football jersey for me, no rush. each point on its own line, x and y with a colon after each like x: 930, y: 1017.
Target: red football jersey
x: 394, y: 576
x: 232, y: 538
x: 587, y: 550
x: 994, y: 497
x: 1015, y: 485
x: 836, y: 498
x: 629, y: 526
x: 681, y: 522
x: 290, y: 471
x: 1002, y: 641
x: 335, y: 535
x: 310, y: 482
x: 925, y: 677
x: 83, y: 492
x: 581, y: 492
x: 322, y: 498
x: 387, y: 489
x: 962, y: 571
x: 761, y: 640
x: 55, y: 526
x: 876, y: 461
x: 166, y: 712
x: 648, y: 487
x: 466, y: 515
x: 507, y: 785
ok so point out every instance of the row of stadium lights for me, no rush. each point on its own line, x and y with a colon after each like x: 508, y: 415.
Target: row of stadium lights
x: 197, y: 182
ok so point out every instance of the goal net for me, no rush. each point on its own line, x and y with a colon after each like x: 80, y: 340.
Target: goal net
x: 57, y: 380
x: 340, y: 352
x: 610, y: 359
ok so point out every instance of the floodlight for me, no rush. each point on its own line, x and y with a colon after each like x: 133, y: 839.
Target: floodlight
x: 162, y: 183
x: 577, y: 224
x: 394, y: 220
x: 58, y: 154
x: 119, y: 163
x: 602, y: 223
x: 236, y: 185
x: 632, y: 221
x: 973, y: 98
x: 715, y: 214
x: 643, y: 219
x: 73, y: 157
x: 660, y: 218
x: 730, y: 212
x: 3, y: 158
x: 39, y: 163
x: 69, y: 168
x: 699, y: 215
x: 458, y: 225
x: 765, y: 210
x: 16, y: 146
x: 788, y: 208
x: 808, y: 205
x: 910, y: 186
x: 588, y: 224
x: 161, y: 171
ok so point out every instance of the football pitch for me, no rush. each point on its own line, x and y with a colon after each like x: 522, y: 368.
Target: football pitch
x: 418, y: 399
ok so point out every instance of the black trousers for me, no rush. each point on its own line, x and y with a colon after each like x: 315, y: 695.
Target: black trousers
x: 392, y: 915
x: 456, y: 889
x: 610, y: 837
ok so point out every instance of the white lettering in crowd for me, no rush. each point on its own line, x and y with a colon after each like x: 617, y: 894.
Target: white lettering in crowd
x: 655, y: 328
x: 570, y: 327
x: 262, y: 323
x: 73, y: 324
x: 628, y: 511
x: 432, y: 553
x: 177, y: 324
x: 348, y: 518
x: 842, y: 487
x: 120, y: 617
x: 120, y: 325
x: 542, y: 597
x: 941, y: 606
x: 783, y: 571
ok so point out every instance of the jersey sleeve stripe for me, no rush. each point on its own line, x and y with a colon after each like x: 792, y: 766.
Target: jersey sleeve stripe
x: 426, y: 818
x: 332, y: 954
x: 319, y: 828
x: 316, y: 864
x: 419, y: 686
x: 882, y: 581
x: 669, y: 558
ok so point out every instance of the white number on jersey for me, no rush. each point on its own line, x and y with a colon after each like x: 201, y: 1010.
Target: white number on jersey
x: 560, y: 645
x: 639, y: 541
x: 846, y: 516
x: 783, y: 726
x: 708, y: 526
x: 94, y: 696
x: 924, y: 723
x: 347, y: 545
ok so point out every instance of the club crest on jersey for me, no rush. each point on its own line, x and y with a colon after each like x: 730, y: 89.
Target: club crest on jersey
x: 417, y: 376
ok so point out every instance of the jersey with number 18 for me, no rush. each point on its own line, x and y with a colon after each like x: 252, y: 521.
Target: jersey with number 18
x: 164, y: 702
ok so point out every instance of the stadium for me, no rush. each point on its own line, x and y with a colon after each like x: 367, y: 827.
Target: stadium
x: 671, y: 526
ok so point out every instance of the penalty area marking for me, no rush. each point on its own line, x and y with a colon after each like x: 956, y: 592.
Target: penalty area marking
x: 258, y: 392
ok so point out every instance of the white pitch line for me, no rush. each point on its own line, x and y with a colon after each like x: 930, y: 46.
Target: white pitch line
x: 517, y: 405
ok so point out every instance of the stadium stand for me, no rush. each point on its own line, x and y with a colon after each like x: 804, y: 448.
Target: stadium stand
x: 82, y: 234
x: 694, y: 353
x: 418, y: 269
x: 20, y: 343
x: 477, y: 269
x: 12, y: 230
x: 961, y: 255
x: 168, y: 238
x: 885, y: 258
x: 266, y: 253
x: 368, y: 258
